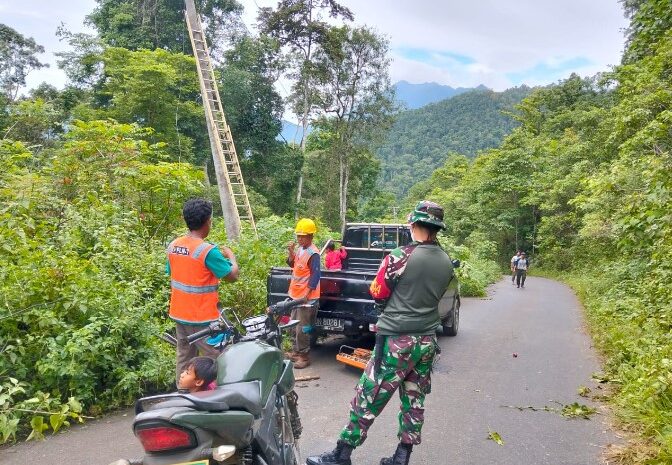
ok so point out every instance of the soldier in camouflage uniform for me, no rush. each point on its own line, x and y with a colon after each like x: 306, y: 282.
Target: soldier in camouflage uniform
x: 408, y: 286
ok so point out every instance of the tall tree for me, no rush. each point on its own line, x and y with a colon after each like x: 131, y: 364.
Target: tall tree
x: 136, y: 24
x: 17, y: 59
x: 154, y: 88
x: 650, y: 21
x: 254, y: 111
x: 300, y: 26
x: 356, y: 95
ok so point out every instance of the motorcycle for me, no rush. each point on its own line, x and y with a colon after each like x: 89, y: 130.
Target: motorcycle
x: 250, y: 418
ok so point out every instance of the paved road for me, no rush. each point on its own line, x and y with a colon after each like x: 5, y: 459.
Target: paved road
x: 476, y: 375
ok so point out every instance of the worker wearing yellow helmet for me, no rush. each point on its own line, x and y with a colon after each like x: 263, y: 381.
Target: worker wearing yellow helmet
x: 304, y: 284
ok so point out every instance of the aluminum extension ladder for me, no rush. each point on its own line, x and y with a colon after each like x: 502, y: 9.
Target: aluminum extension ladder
x: 237, y: 206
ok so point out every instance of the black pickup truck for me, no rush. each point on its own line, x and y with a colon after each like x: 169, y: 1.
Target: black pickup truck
x: 346, y: 307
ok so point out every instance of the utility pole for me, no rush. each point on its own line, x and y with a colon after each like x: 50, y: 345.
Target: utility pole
x: 232, y: 191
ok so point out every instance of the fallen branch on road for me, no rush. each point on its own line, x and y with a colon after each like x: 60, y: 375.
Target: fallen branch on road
x: 574, y: 410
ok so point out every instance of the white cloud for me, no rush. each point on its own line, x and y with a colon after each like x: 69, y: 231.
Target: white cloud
x: 501, y: 37
x: 39, y: 19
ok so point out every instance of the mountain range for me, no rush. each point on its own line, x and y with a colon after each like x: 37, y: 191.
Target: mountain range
x: 409, y: 96
x: 421, y: 140
x: 413, y: 96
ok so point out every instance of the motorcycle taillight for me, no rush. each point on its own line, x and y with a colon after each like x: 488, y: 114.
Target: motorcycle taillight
x: 163, y: 438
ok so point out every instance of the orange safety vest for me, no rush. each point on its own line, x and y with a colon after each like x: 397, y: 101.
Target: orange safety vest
x: 301, y: 274
x: 193, y: 296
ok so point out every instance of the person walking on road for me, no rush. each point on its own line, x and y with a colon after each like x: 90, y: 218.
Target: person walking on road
x: 408, y: 287
x: 195, y: 268
x: 521, y: 269
x: 304, y: 284
x: 514, y: 260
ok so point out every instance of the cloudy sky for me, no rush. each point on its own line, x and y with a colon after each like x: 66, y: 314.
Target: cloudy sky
x: 455, y: 42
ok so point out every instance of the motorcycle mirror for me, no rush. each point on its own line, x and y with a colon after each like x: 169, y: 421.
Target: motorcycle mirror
x: 456, y: 263
x: 289, y: 324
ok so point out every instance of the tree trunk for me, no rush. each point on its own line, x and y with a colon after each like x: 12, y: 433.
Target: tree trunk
x: 344, y: 173
x: 304, y: 125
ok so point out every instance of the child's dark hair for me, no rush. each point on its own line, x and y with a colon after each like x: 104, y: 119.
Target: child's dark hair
x: 331, y: 246
x: 196, y: 212
x: 205, y: 368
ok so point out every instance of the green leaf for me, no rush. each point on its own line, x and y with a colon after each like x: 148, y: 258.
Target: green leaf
x: 583, y: 391
x: 577, y: 410
x: 494, y: 436
x: 56, y: 421
x: 39, y: 426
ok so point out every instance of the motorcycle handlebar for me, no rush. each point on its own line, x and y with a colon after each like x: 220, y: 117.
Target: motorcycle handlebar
x: 199, y: 335
x: 286, y: 305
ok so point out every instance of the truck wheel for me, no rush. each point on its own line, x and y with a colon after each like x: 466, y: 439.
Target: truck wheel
x: 455, y: 324
x: 313, y: 339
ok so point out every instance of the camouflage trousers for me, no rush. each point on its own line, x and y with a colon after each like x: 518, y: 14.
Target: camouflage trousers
x: 407, y: 366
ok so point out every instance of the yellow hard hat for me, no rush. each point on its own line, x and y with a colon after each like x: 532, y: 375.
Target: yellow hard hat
x: 305, y: 226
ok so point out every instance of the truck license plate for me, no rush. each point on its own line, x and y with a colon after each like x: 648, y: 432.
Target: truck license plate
x: 333, y: 324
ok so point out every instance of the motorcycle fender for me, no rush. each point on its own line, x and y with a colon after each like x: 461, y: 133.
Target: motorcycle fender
x: 286, y: 381
x: 233, y: 426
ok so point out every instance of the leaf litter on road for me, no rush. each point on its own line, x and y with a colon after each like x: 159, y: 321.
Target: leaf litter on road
x: 495, y: 436
x: 574, y: 410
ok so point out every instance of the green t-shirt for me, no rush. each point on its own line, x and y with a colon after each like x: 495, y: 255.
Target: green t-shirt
x: 215, y: 262
x: 413, y: 307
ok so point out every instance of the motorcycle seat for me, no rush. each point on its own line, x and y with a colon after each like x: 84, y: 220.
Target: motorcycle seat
x: 239, y: 396
x: 235, y: 396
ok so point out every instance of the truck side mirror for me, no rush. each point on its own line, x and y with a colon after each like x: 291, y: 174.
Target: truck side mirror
x: 456, y: 263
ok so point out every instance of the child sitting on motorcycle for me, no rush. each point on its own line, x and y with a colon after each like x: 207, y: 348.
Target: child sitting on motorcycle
x: 200, y: 373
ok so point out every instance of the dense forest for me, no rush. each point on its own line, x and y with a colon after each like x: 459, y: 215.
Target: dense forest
x: 92, y: 178
x: 420, y: 140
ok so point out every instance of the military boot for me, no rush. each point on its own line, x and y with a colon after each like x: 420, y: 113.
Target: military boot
x: 401, y: 456
x: 339, y: 456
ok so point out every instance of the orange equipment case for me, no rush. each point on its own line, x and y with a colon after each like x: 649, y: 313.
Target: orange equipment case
x: 353, y: 356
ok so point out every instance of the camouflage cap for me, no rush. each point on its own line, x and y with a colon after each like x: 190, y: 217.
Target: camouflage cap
x: 427, y: 212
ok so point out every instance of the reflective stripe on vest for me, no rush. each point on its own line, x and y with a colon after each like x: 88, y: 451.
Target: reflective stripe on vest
x: 301, y: 275
x: 193, y: 296
x: 193, y: 289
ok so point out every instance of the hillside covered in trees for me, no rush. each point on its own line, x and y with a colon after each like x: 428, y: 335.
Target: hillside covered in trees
x: 420, y: 140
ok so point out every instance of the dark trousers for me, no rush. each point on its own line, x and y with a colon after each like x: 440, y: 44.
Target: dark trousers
x: 520, y: 277
x: 186, y: 351
x: 306, y: 316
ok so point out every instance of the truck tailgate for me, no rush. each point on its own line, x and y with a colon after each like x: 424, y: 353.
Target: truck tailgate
x: 344, y: 295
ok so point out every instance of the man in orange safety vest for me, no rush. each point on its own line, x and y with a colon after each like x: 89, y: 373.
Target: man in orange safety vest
x: 195, y: 268
x: 304, y: 284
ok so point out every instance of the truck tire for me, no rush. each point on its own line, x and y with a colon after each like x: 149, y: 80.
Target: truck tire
x: 455, y: 324
x: 313, y: 339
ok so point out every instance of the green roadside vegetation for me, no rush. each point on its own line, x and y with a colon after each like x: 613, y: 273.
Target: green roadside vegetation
x: 584, y: 184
